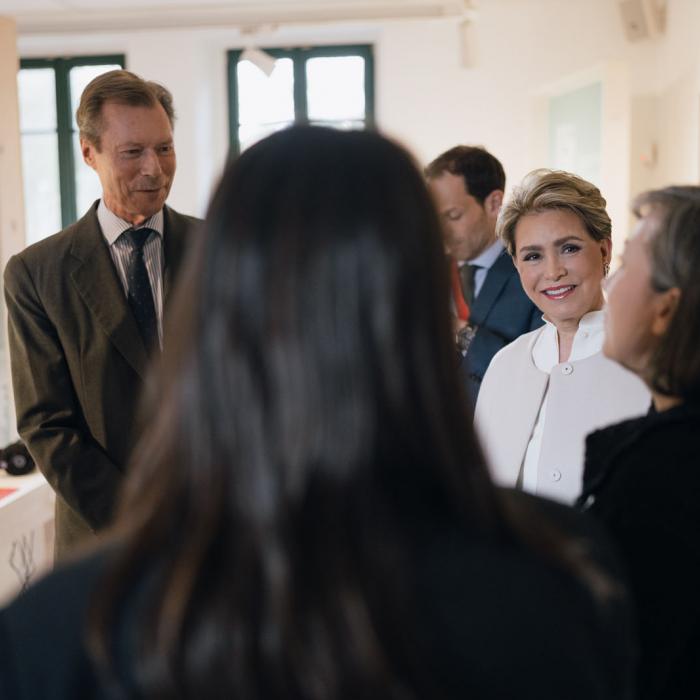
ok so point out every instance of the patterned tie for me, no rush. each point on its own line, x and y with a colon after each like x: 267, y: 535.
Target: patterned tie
x: 140, y: 292
x: 467, y: 274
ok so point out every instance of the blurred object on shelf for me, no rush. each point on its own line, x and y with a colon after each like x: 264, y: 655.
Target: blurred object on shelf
x: 16, y: 460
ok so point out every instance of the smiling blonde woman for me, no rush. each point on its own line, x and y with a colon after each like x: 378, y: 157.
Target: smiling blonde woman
x: 546, y: 390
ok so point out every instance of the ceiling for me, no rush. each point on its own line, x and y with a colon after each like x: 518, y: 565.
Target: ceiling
x: 35, y: 16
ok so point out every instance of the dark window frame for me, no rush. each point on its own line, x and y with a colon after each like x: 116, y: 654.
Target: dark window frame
x: 64, y: 120
x: 299, y: 57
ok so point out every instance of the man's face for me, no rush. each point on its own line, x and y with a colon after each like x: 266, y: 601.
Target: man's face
x: 135, y: 161
x: 469, y: 227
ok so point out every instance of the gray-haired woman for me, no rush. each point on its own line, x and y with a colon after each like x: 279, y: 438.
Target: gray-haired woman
x: 642, y: 477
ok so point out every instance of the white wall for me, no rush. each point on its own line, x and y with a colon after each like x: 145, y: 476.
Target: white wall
x: 430, y: 101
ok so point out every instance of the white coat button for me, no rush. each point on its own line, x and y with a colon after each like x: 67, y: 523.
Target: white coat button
x: 555, y: 475
x: 567, y: 368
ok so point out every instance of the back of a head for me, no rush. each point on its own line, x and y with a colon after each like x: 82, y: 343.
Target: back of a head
x: 332, y: 295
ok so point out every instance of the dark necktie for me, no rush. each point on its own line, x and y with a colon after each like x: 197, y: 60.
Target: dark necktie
x: 467, y: 275
x: 140, y: 293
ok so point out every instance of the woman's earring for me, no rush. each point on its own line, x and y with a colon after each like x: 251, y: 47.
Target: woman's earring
x: 606, y: 268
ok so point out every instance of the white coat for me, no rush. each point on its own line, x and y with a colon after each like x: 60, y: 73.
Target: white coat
x: 581, y: 396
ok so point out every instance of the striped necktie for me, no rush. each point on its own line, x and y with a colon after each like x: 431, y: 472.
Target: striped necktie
x: 140, y: 293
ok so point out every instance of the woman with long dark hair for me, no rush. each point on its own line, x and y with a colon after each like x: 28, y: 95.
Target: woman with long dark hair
x: 309, y: 515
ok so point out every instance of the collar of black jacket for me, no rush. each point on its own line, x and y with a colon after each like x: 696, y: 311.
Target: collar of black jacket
x: 603, y: 446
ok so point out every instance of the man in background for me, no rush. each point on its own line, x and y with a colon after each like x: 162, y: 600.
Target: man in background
x: 468, y: 184
x: 86, y: 305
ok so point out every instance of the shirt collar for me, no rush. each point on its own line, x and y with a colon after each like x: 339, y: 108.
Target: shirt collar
x: 587, y: 342
x: 113, y: 226
x: 486, y: 259
x: 591, y: 322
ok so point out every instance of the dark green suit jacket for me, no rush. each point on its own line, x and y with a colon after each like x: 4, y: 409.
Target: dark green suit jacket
x: 78, y: 365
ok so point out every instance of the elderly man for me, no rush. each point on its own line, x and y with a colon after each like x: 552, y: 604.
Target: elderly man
x: 86, y: 305
x: 467, y: 183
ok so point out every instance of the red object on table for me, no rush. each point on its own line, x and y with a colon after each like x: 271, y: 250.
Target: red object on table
x: 6, y: 492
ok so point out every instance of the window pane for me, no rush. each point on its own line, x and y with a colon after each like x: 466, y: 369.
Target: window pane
x: 80, y: 76
x: 336, y: 88
x: 87, y: 184
x: 37, y: 99
x: 264, y: 100
x: 249, y: 134
x: 42, y: 198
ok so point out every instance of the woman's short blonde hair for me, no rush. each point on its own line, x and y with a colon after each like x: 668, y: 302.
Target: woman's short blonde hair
x: 544, y: 190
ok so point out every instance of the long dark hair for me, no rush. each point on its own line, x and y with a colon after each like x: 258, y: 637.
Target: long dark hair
x: 308, y: 425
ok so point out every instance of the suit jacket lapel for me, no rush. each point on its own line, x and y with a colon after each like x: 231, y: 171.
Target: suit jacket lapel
x: 97, y: 283
x: 496, y: 279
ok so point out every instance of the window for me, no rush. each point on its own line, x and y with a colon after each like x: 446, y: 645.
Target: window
x: 58, y: 186
x: 330, y: 85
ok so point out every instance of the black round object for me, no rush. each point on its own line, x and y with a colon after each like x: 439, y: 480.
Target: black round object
x: 16, y: 460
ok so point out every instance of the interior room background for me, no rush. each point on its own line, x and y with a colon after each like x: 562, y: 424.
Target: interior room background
x: 557, y: 83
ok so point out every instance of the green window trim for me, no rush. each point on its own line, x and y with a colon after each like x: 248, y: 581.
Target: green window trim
x: 299, y: 57
x: 64, y: 120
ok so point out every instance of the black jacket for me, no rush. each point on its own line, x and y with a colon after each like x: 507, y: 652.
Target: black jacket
x: 494, y: 621
x: 642, y: 479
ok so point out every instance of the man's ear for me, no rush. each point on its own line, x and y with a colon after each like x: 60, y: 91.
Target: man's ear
x: 492, y: 203
x: 665, y: 306
x: 88, y: 150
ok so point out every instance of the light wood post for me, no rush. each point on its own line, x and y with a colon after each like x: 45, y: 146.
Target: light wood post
x: 12, y: 237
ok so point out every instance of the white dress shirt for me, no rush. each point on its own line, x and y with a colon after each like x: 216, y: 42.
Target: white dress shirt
x: 120, y: 249
x: 545, y: 354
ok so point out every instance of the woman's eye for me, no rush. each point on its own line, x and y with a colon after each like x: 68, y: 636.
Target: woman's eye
x: 454, y: 216
x: 571, y: 248
x: 531, y: 256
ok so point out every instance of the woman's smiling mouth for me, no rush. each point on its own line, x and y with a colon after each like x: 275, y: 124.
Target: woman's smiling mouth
x: 560, y: 292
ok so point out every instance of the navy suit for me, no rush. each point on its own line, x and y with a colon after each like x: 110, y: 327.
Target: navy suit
x: 502, y: 311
